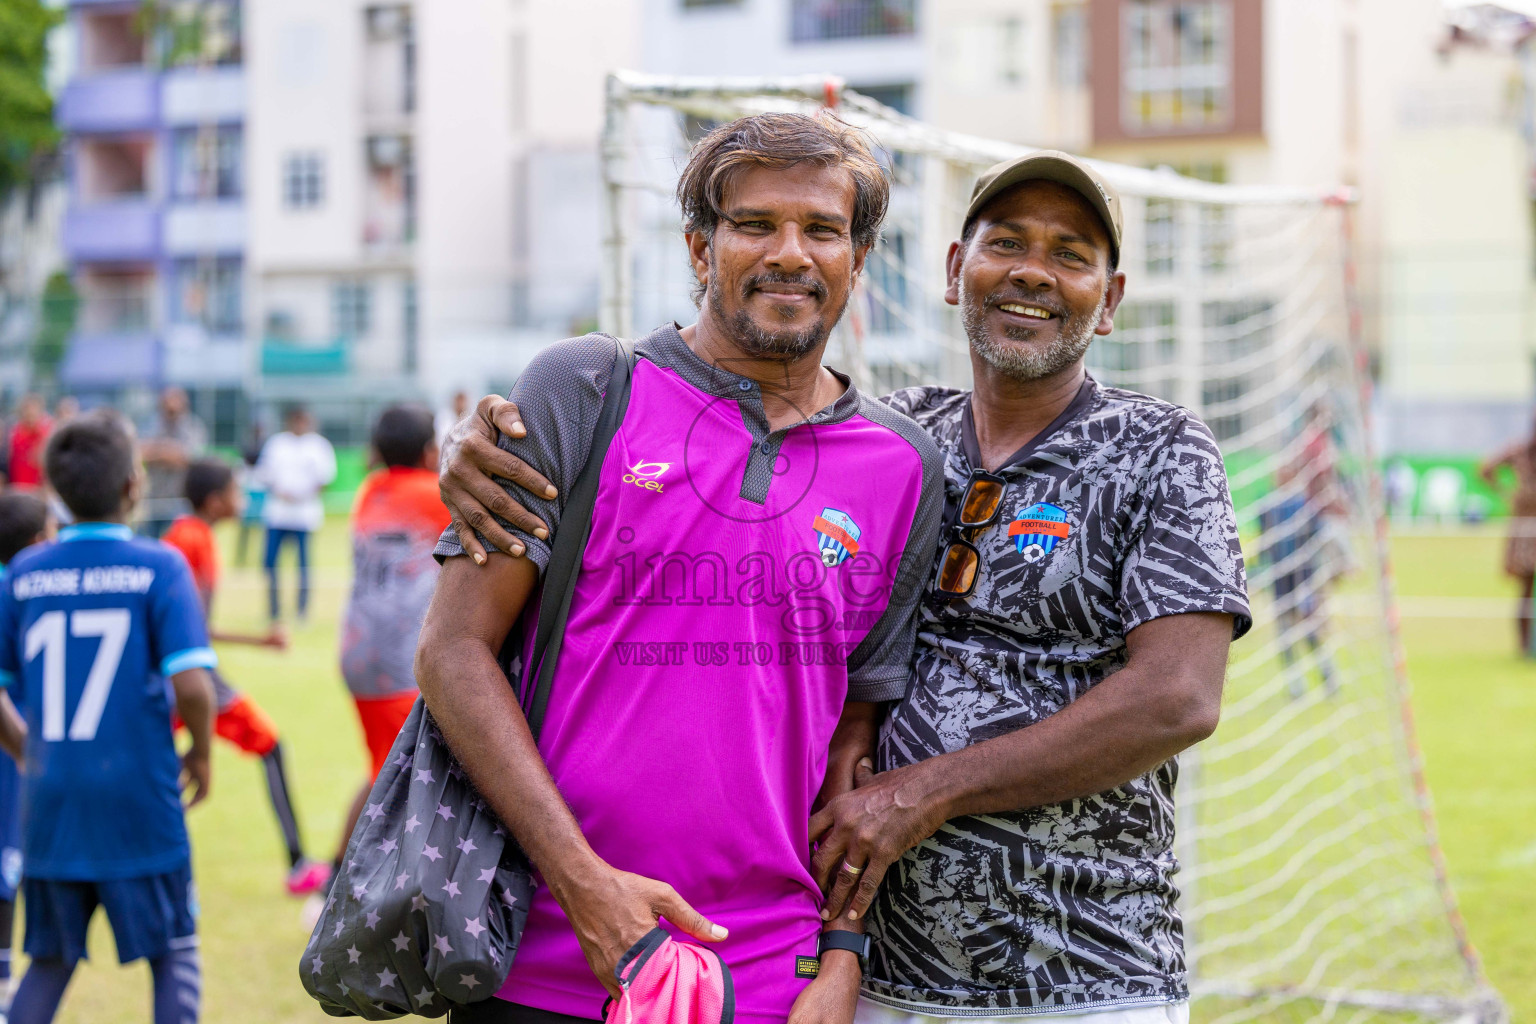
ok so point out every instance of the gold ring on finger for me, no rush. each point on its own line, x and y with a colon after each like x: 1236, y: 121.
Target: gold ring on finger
x: 850, y: 869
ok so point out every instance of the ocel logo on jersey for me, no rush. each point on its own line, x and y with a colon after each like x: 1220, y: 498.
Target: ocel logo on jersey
x: 647, y: 475
x: 1038, y: 530
x: 837, y: 536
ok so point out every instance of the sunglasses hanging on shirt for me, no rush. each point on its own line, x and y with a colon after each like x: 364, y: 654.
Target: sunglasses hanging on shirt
x: 979, y: 508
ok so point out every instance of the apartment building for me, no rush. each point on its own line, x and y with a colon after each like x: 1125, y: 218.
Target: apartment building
x: 424, y: 183
x: 875, y: 45
x: 345, y: 203
x: 1457, y: 270
x: 155, y: 225
x: 1010, y: 69
x: 1395, y: 97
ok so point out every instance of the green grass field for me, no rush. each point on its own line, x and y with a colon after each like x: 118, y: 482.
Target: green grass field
x: 1476, y: 712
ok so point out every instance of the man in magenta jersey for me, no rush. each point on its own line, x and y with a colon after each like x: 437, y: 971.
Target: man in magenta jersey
x: 747, y: 600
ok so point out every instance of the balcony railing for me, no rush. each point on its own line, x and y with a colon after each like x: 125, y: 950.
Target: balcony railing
x: 119, y: 230
x: 815, y: 21
x: 119, y: 100
x: 110, y: 360
x: 125, y: 310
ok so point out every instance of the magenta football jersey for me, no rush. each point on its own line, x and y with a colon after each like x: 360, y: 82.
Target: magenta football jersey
x: 739, y: 586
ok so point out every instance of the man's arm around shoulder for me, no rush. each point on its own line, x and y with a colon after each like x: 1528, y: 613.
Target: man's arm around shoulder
x: 1165, y: 699
x: 472, y: 611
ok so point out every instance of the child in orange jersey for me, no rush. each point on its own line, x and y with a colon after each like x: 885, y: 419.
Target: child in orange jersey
x: 210, y: 488
x: 396, y: 521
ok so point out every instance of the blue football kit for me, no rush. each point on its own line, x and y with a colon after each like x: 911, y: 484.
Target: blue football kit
x: 91, y: 629
x: 10, y: 818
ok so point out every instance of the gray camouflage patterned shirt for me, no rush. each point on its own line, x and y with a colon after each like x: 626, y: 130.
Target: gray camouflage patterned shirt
x: 1117, y: 514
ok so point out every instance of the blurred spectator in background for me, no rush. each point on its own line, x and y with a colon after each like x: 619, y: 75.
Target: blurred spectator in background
x: 255, y: 490
x: 456, y: 411
x: 294, y: 467
x: 396, y: 521
x: 1520, y: 548
x: 175, y: 438
x: 1402, y: 484
x: 1298, y: 525
x: 28, y: 439
x: 1441, y: 494
x: 66, y: 408
x: 212, y: 497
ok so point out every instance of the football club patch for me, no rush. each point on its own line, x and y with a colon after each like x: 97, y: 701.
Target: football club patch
x: 1038, y: 530
x: 837, y: 536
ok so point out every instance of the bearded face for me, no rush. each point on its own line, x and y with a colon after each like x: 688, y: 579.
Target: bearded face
x: 1035, y: 279
x: 1013, y: 346
x: 779, y: 332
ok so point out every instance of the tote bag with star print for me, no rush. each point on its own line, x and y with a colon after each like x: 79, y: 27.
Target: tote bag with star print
x: 427, y: 909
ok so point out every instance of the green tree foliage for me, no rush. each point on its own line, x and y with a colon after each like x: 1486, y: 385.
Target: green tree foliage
x: 26, y: 109
x: 187, y: 32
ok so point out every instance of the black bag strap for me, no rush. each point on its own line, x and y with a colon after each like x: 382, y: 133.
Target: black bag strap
x: 571, y: 541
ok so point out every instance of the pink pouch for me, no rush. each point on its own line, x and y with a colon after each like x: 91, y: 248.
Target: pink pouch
x: 671, y: 982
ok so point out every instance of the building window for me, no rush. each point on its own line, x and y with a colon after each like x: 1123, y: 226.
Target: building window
x: 1177, y: 65
x: 110, y: 39
x: 1162, y: 235
x: 897, y: 97
x: 389, y: 199
x: 1212, y: 225
x: 987, y: 53
x: 281, y: 326
x: 1011, y: 57
x: 1235, y: 333
x: 813, y: 21
x: 389, y: 61
x: 1142, y: 352
x: 1069, y: 45
x: 410, y: 326
x: 350, y: 301
x: 303, y: 181
x: 201, y: 34
x: 885, y: 278
x: 206, y: 162
x: 113, y: 168
x: 116, y: 302
x: 208, y: 293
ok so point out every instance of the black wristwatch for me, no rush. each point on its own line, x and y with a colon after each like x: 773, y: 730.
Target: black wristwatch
x: 853, y: 942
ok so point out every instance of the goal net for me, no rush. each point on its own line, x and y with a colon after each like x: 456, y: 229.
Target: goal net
x: 1313, y: 888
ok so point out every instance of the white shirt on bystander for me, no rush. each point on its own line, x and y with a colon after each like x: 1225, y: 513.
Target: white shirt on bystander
x: 295, y: 468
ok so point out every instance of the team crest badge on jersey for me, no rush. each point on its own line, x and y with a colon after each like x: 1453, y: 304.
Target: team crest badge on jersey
x: 837, y: 536
x: 1038, y: 530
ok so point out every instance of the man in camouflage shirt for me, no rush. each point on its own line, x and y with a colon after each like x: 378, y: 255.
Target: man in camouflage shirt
x: 1073, y: 644
x: 1086, y: 590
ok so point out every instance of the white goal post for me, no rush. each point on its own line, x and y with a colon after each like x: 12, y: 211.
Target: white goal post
x: 1312, y: 885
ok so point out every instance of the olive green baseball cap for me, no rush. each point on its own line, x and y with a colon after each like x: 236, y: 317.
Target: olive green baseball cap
x: 1062, y: 168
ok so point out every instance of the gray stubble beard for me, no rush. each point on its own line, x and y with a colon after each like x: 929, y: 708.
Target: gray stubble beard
x: 765, y: 344
x: 1021, y: 362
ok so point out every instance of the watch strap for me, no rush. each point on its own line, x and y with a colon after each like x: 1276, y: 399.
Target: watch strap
x: 853, y: 942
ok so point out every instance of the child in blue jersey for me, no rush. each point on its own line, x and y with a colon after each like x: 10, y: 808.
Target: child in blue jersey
x: 24, y: 521
x: 90, y: 630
